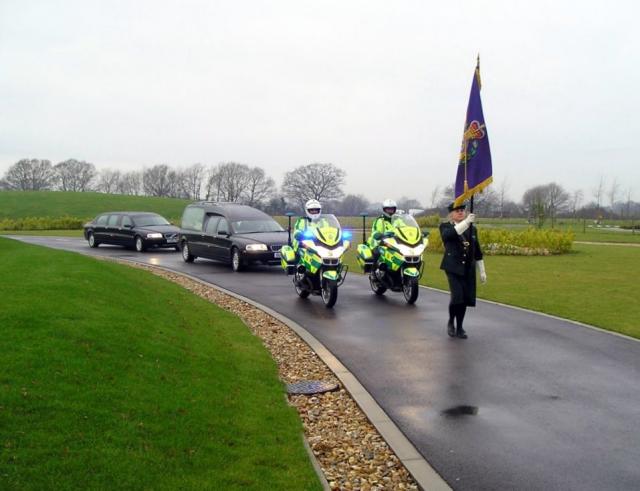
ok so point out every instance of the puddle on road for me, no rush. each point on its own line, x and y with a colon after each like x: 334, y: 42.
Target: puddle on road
x: 458, y: 411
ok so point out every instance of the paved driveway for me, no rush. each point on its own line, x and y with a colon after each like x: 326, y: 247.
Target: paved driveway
x: 527, y: 402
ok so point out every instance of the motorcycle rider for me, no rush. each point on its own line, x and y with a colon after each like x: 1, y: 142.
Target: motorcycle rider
x: 313, y: 210
x: 382, y: 225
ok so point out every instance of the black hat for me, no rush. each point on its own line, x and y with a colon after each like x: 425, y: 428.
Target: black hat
x: 453, y: 206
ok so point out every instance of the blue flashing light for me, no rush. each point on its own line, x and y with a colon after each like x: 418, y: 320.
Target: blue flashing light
x: 308, y: 234
x: 346, y: 234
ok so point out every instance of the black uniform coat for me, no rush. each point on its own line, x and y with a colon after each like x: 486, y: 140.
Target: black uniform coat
x: 459, y: 262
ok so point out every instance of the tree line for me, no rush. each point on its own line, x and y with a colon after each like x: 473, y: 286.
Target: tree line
x: 236, y: 182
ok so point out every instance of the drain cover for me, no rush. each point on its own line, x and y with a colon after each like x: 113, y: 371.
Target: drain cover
x: 311, y: 387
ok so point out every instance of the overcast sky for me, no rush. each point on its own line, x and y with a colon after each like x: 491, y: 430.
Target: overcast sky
x: 377, y: 88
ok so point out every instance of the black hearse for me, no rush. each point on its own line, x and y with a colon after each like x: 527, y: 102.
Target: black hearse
x: 138, y: 229
x: 232, y: 233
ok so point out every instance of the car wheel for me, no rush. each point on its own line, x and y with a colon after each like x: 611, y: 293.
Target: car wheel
x: 139, y: 244
x: 236, y: 261
x: 186, y: 255
x: 92, y: 241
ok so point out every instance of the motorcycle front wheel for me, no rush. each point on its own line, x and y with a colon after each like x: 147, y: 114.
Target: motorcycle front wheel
x: 377, y: 287
x: 329, y: 292
x: 302, y: 292
x: 410, y: 289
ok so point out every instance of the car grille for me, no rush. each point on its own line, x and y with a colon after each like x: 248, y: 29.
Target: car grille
x: 412, y: 259
x: 171, y: 236
x: 275, y: 248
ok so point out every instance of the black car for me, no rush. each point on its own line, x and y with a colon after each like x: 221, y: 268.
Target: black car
x: 140, y: 230
x: 232, y: 233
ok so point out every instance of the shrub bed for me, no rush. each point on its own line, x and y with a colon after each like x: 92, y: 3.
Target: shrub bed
x: 43, y: 223
x: 530, y: 242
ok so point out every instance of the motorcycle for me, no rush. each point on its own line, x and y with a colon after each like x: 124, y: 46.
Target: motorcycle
x: 397, y: 264
x: 314, y: 258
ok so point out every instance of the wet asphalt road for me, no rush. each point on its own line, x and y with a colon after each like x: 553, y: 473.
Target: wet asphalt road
x: 527, y: 402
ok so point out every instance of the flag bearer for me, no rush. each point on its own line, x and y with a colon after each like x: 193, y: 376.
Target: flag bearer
x: 462, y: 255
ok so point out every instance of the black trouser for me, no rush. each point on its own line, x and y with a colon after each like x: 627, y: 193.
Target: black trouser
x: 457, y: 310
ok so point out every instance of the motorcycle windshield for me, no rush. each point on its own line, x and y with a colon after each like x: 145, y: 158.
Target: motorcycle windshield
x: 407, y: 229
x: 326, y: 229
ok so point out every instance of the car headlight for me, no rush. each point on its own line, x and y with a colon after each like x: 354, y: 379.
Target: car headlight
x: 256, y: 247
x: 154, y: 236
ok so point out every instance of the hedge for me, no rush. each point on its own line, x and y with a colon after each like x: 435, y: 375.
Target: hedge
x: 43, y: 223
x: 530, y: 242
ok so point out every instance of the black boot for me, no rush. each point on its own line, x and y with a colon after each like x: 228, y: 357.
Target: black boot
x: 460, y: 311
x: 451, y: 331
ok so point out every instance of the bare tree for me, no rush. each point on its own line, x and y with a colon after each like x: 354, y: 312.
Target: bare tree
x: 314, y: 181
x: 130, y: 183
x: 628, y: 204
x: 30, y: 175
x: 407, y: 204
x: 277, y: 205
x: 434, y: 196
x: 191, y: 180
x: 213, y: 184
x: 502, y: 195
x: 259, y: 187
x: 74, y: 175
x: 446, y: 197
x: 613, y: 193
x: 542, y: 202
x: 352, y: 205
x: 576, y: 201
x: 158, y: 180
x: 486, y: 203
x: 557, y: 200
x: 108, y: 181
x: 228, y: 181
x: 598, y: 191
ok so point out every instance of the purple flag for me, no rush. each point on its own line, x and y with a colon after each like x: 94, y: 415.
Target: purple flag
x: 474, y: 166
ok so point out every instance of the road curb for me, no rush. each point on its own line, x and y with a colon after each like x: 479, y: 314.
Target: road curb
x: 425, y: 476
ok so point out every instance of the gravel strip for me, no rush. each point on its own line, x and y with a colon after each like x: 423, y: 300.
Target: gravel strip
x: 350, y: 451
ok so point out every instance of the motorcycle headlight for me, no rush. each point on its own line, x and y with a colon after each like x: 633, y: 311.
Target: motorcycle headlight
x: 256, y: 247
x: 154, y: 236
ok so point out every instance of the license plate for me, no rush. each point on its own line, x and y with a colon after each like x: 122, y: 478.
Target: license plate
x: 276, y: 255
x: 172, y: 241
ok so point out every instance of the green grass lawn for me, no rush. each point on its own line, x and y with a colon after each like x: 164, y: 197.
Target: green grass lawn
x: 595, y: 284
x: 113, y: 378
x: 22, y: 204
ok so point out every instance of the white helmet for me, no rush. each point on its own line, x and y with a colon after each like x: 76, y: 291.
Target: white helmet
x: 313, y: 208
x: 389, y: 207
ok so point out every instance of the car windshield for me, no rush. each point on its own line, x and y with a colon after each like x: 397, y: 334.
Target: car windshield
x: 149, y: 220
x: 256, y: 226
